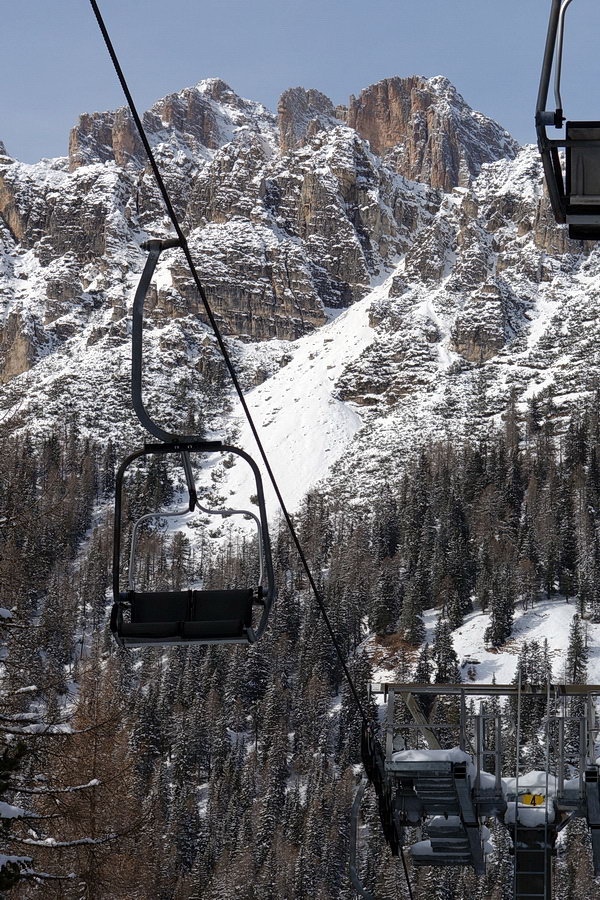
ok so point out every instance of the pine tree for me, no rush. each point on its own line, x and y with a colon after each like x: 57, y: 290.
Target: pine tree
x: 411, y: 625
x: 502, y: 606
x: 577, y: 653
x: 442, y: 651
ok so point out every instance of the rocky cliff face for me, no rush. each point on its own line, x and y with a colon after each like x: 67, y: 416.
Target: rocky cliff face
x: 281, y: 234
x: 301, y: 114
x: 194, y: 121
x: 427, y: 132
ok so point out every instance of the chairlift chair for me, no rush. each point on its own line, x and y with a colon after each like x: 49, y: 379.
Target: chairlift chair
x: 189, y: 616
x: 575, y: 198
x: 182, y: 616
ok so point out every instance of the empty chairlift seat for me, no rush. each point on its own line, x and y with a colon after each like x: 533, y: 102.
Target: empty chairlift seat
x: 190, y: 616
x: 185, y: 616
x: 583, y: 179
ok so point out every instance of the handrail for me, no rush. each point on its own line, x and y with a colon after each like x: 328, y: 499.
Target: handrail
x: 135, y: 536
x: 225, y: 513
x: 559, y: 53
x: 354, y: 876
x: 484, y: 689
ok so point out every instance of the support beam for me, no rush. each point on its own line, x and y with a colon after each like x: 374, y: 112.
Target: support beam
x: 421, y: 721
x: 592, y: 795
x: 472, y: 689
x: 469, y: 817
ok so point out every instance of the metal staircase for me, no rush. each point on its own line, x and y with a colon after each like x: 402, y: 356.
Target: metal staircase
x: 533, y: 851
x: 444, y: 794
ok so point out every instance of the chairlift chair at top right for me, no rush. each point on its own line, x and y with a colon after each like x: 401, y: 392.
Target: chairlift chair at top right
x: 575, y: 197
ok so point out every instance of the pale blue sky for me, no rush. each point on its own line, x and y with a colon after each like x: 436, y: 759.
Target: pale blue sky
x: 53, y: 64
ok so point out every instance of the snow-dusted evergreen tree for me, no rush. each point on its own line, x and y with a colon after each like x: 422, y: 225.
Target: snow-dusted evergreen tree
x: 576, y: 673
x: 411, y: 624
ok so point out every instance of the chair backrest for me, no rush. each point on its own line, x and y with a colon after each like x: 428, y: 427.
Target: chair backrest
x: 583, y: 164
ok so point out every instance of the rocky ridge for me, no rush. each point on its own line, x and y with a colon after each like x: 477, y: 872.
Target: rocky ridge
x: 423, y: 128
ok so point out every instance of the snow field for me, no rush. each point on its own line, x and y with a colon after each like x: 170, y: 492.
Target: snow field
x: 304, y: 428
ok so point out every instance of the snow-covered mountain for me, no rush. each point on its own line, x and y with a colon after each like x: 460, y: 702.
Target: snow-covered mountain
x: 387, y: 274
x: 372, y: 302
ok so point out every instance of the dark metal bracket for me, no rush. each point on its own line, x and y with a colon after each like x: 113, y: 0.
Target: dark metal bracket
x: 154, y: 248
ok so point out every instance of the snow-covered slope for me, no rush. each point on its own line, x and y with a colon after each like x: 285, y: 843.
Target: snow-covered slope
x: 305, y: 427
x: 547, y: 620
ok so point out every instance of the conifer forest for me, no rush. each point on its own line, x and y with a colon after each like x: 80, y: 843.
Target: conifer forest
x: 243, y: 786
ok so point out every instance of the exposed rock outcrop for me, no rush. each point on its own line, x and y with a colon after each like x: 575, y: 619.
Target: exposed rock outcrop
x: 257, y: 282
x: 192, y: 121
x: 103, y: 137
x: 427, y: 131
x: 301, y: 113
x: 18, y: 348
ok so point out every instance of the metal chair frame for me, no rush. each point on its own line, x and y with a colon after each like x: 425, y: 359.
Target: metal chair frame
x: 582, y: 224
x: 265, y: 593
x: 183, y: 446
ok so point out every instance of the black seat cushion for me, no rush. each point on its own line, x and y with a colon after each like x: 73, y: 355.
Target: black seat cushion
x: 189, y: 615
x: 159, y: 606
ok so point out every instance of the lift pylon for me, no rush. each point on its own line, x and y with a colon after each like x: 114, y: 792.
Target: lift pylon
x: 445, y: 778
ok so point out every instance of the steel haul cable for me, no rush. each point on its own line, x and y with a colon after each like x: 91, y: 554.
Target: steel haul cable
x: 231, y: 369
x: 226, y: 357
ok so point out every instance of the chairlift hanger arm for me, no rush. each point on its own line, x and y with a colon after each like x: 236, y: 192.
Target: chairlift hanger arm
x: 552, y: 58
x: 559, y: 53
x: 543, y: 118
x: 154, y: 248
x: 574, y: 195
